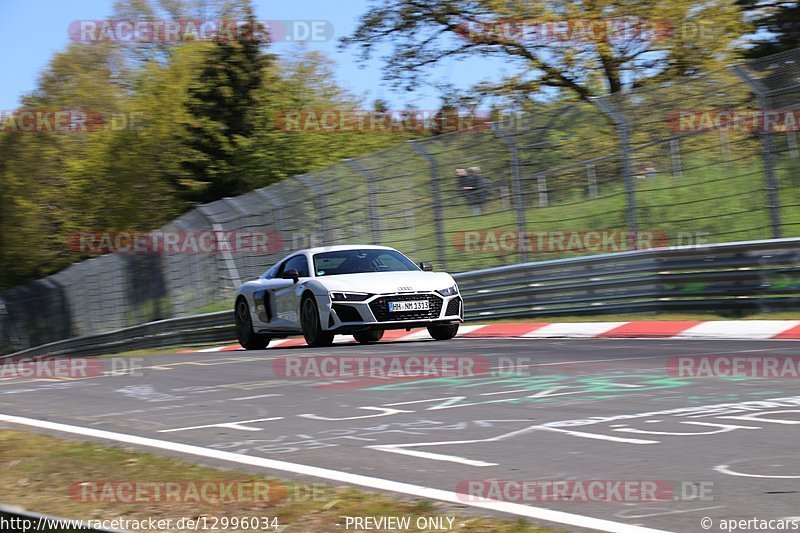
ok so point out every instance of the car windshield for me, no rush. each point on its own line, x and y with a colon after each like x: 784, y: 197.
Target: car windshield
x: 358, y: 261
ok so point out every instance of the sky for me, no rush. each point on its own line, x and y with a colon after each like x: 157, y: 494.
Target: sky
x: 34, y: 30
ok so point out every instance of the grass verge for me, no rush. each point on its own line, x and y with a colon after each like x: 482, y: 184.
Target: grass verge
x: 43, y: 474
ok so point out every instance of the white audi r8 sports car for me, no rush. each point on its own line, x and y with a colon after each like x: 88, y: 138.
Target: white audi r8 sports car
x: 356, y: 289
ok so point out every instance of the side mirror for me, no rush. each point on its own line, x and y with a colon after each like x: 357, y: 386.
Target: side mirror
x: 426, y: 267
x: 291, y: 274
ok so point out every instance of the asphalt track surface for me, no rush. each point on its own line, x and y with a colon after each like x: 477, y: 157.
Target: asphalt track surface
x: 428, y: 437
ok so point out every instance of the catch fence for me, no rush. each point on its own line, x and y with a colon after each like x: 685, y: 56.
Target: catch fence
x: 706, y: 159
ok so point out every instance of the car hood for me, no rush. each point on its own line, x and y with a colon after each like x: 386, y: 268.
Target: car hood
x: 388, y: 282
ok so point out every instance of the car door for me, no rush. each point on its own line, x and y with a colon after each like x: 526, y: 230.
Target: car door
x: 263, y: 314
x: 284, y: 297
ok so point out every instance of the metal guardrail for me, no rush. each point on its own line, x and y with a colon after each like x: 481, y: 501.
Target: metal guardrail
x: 197, y: 329
x: 730, y: 278
x: 660, y: 158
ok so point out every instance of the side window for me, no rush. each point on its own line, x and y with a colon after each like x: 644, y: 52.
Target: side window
x: 299, y: 263
x: 279, y: 268
x: 271, y: 273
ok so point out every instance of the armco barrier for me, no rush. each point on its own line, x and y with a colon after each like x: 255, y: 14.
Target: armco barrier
x: 198, y: 329
x: 709, y: 158
x: 730, y: 278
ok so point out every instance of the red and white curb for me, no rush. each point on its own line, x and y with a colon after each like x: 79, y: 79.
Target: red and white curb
x: 721, y: 329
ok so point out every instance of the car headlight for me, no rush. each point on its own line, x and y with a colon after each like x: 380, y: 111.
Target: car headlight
x: 349, y: 296
x: 449, y: 291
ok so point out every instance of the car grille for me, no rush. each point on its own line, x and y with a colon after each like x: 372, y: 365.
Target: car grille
x: 453, y: 307
x: 347, y: 313
x: 380, y: 307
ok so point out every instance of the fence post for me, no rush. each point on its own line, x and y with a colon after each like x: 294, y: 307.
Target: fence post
x: 516, y: 186
x: 321, y: 205
x: 369, y: 178
x: 591, y: 177
x: 6, y: 325
x: 223, y: 245
x: 438, y: 221
x: 619, y: 119
x: 541, y: 186
x: 791, y: 142
x: 272, y: 200
x: 177, y: 304
x: 770, y: 183
x: 675, y: 154
x: 275, y: 208
x: 236, y: 207
x: 724, y: 144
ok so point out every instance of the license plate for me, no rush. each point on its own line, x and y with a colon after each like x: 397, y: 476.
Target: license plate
x: 414, y: 305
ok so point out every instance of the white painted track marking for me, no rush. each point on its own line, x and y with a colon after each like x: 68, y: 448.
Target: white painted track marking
x: 463, y: 329
x: 254, y: 397
x: 230, y: 425
x: 573, y: 329
x: 420, y: 491
x: 730, y: 329
x: 598, y: 436
x: 433, y: 456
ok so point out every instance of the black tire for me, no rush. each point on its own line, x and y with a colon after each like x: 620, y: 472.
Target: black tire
x: 443, y: 333
x: 249, y: 339
x: 309, y: 321
x: 366, y: 337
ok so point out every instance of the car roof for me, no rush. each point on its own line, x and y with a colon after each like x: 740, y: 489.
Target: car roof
x: 336, y: 248
x: 341, y: 247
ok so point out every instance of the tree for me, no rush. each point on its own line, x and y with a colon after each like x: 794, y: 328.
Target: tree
x: 222, y: 107
x: 305, y: 81
x: 573, y: 46
x: 379, y: 105
x: 777, y: 26
x: 188, y: 102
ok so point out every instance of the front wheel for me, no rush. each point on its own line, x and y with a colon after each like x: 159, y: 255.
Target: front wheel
x: 366, y: 337
x: 249, y: 339
x: 443, y: 333
x: 309, y: 321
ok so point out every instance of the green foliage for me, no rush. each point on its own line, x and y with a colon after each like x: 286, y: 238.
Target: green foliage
x: 781, y: 19
x: 180, y: 124
x: 684, y: 37
x: 196, y: 122
x: 221, y: 105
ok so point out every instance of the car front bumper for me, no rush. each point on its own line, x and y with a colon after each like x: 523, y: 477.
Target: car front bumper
x: 373, y: 313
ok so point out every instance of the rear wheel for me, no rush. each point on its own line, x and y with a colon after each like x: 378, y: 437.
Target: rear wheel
x: 443, y: 333
x: 249, y: 339
x: 366, y: 337
x: 309, y: 321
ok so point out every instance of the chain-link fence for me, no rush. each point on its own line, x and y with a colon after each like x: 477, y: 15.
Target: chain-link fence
x: 705, y: 159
